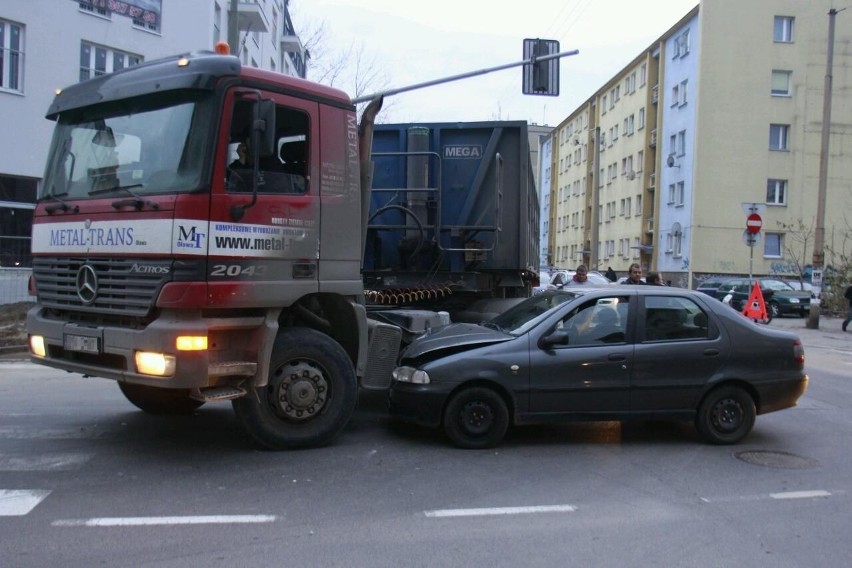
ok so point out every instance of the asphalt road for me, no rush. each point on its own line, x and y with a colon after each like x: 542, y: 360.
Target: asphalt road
x: 86, y: 480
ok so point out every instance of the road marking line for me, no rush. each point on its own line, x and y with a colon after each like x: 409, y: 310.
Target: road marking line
x: 800, y: 494
x: 817, y: 493
x: 46, y: 462
x: 149, y: 521
x: 19, y: 502
x: 500, y: 511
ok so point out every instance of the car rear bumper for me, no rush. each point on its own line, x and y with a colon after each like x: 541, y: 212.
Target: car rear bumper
x: 781, y: 394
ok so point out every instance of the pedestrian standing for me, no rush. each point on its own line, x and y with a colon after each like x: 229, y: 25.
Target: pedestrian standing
x: 634, y: 275
x: 581, y: 277
x: 654, y: 279
x: 848, y: 296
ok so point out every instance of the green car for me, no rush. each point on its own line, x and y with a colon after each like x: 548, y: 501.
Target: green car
x: 781, y: 298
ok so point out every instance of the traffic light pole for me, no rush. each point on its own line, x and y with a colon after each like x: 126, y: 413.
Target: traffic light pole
x: 533, y: 60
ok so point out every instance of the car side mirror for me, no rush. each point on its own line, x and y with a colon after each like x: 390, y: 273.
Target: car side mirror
x: 558, y: 337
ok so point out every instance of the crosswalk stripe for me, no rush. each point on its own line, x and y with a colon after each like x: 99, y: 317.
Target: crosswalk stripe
x: 19, y: 502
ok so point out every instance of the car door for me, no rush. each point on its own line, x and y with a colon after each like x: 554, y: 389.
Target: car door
x: 589, y: 372
x: 679, y: 348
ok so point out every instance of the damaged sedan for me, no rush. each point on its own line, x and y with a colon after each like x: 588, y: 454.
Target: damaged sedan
x: 600, y: 354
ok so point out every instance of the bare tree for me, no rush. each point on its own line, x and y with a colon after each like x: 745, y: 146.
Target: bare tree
x: 353, y: 70
x: 797, y: 252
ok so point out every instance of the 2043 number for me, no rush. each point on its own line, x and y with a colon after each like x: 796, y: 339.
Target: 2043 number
x: 237, y: 270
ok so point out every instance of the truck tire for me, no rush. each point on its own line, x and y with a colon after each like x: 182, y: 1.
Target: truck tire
x: 159, y: 401
x: 310, y: 397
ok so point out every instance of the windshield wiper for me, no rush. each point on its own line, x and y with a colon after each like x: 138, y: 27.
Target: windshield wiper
x: 492, y: 325
x: 138, y: 202
x: 61, y: 206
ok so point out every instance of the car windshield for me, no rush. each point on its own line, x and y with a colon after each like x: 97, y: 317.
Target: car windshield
x: 775, y: 285
x: 520, y: 318
x: 139, y: 148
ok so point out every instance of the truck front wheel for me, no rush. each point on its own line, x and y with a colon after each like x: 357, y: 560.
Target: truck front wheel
x: 164, y: 402
x: 310, y: 397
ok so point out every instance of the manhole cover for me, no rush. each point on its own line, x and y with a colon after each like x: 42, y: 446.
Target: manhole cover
x: 781, y: 460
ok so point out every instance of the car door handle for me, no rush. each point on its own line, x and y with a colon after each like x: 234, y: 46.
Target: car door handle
x: 617, y: 357
x: 712, y: 352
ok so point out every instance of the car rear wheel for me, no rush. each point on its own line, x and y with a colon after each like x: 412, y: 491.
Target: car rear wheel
x: 163, y: 402
x: 476, y: 418
x: 726, y: 416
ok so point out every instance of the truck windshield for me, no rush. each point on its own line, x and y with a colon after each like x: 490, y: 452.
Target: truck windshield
x: 140, y: 148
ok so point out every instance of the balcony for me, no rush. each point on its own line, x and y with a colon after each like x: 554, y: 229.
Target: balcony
x: 655, y: 93
x: 251, y: 17
x: 652, y: 139
x: 649, y: 226
x: 652, y: 181
x: 290, y: 42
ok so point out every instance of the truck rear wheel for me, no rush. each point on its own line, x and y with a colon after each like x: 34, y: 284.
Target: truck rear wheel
x: 163, y: 402
x: 310, y: 397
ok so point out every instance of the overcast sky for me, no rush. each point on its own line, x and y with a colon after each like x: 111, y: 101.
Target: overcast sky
x: 413, y: 42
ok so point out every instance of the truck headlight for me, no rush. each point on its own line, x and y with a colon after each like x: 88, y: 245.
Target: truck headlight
x: 411, y: 375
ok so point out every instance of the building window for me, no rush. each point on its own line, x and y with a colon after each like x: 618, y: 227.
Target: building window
x: 96, y: 60
x: 783, y: 32
x: 11, y: 56
x: 641, y: 118
x: 779, y: 135
x: 776, y: 192
x: 773, y: 244
x: 643, y: 74
x: 682, y: 98
x: 781, y: 83
x: 94, y: 7
x: 671, y: 199
x: 679, y: 194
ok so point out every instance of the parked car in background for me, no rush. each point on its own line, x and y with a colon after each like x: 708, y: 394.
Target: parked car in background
x: 711, y: 285
x: 612, y: 353
x: 780, y: 298
x: 804, y: 286
x: 561, y: 277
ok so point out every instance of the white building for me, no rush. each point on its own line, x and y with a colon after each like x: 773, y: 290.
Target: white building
x: 49, y: 44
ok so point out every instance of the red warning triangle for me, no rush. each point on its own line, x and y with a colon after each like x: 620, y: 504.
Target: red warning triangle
x: 755, y: 307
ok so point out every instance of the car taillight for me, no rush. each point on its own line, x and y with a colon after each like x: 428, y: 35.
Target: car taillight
x: 798, y: 353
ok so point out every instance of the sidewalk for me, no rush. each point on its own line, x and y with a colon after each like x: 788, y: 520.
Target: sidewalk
x: 829, y: 333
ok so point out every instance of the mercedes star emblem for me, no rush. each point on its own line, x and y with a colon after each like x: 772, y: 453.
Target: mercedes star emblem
x: 87, y: 284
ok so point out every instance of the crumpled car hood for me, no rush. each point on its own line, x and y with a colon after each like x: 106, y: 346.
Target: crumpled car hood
x: 453, y: 336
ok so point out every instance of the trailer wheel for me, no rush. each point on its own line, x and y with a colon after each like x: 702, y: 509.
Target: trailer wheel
x: 159, y: 401
x: 310, y: 397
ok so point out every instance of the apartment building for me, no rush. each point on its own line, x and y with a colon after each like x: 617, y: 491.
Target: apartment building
x: 48, y: 44
x: 721, y: 113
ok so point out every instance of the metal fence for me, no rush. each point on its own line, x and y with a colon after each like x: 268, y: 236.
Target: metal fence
x: 13, y: 285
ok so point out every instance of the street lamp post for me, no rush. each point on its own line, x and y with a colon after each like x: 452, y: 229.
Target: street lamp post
x: 819, y: 232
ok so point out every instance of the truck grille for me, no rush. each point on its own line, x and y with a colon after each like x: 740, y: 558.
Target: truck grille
x: 121, y: 289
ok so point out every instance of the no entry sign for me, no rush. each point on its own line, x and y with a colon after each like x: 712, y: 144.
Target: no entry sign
x: 754, y: 223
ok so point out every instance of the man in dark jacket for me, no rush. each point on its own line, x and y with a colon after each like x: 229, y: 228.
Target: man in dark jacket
x: 634, y: 275
x: 848, y: 296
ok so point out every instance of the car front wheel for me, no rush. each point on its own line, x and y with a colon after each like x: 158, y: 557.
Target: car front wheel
x: 774, y: 310
x: 476, y: 418
x: 726, y: 416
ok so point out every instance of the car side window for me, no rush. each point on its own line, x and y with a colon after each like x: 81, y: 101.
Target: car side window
x: 668, y: 318
x: 597, y: 322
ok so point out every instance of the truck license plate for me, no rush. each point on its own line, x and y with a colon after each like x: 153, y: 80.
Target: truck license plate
x: 82, y: 343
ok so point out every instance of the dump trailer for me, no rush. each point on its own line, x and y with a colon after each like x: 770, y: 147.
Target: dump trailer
x: 453, y: 216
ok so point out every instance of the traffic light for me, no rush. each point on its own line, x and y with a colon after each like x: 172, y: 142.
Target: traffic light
x: 541, y: 77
